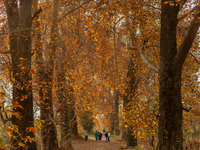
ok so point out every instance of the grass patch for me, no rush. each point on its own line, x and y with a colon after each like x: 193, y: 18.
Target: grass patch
x: 115, y: 136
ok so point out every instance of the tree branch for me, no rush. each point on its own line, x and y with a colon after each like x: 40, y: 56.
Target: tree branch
x: 147, y: 61
x: 119, y: 41
x: 72, y: 118
x: 185, y: 15
x: 72, y: 10
x: 194, y: 57
x: 187, y: 42
x: 182, y: 3
x: 142, y: 51
x: 148, y: 6
x: 187, y: 108
x: 6, y: 119
x: 36, y: 13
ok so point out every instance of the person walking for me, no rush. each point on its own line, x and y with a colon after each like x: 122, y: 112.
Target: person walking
x: 96, y: 135
x: 86, y: 135
x: 108, y: 136
x: 99, y: 136
x: 104, y: 131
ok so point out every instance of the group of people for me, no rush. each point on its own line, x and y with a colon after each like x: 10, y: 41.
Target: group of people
x: 98, y: 135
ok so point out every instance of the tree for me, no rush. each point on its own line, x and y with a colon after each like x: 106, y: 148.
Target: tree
x: 19, y: 22
x: 49, y: 134
x: 130, y: 92
x: 171, y: 63
x: 170, y: 71
x: 87, y: 120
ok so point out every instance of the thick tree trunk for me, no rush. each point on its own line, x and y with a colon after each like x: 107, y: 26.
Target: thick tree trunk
x: 20, y: 47
x: 74, y: 127
x: 66, y: 134
x: 49, y: 129
x: 48, y: 132
x: 64, y: 99
x: 131, y: 139
x: 170, y: 106
x: 49, y: 136
x: 129, y: 94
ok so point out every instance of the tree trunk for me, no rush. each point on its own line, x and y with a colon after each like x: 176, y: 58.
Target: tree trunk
x: 20, y: 47
x: 131, y: 139
x: 48, y: 132
x: 129, y: 94
x: 65, y: 135
x: 116, y: 112
x: 64, y: 101
x: 49, y: 129
x: 72, y: 114
x: 66, y: 97
x: 116, y: 95
x: 49, y: 136
x: 170, y: 106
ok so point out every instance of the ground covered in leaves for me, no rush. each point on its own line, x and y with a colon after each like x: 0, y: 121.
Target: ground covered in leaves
x: 91, y: 144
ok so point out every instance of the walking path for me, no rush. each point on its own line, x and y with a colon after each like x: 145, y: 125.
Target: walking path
x: 81, y: 144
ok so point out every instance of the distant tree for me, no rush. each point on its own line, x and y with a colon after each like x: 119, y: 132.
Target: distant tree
x: 87, y: 120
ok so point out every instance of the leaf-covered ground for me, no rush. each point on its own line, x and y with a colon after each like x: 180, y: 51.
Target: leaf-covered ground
x: 113, y: 144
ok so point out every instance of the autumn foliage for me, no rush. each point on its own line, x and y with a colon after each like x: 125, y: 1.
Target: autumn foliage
x: 92, y: 65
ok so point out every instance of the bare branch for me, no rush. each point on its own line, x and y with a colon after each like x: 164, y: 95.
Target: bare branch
x: 36, y: 13
x: 194, y: 57
x: 182, y: 3
x: 187, y: 108
x: 71, y: 11
x: 119, y: 41
x: 72, y: 118
x: 187, y: 42
x: 118, y: 21
x: 147, y: 61
x: 52, y: 120
x: 4, y: 120
x: 149, y: 6
x: 142, y: 51
x: 185, y: 15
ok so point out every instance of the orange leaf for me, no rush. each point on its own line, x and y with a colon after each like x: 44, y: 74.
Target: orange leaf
x: 14, y: 10
x: 33, y: 129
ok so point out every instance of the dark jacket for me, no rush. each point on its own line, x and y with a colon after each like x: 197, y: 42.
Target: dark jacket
x: 106, y: 134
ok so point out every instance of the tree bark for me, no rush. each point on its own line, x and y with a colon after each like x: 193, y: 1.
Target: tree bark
x: 128, y: 96
x: 116, y: 95
x: 116, y: 112
x: 49, y: 134
x: 19, y: 18
x: 170, y: 105
x: 171, y: 62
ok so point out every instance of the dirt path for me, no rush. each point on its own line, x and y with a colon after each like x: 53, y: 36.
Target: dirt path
x: 81, y: 144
